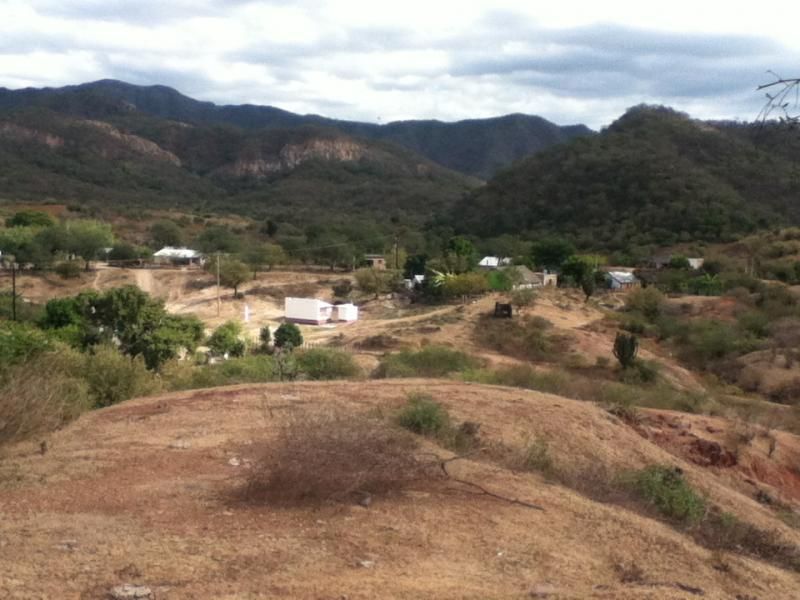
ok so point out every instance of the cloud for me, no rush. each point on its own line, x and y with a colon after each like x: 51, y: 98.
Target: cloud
x: 416, y: 59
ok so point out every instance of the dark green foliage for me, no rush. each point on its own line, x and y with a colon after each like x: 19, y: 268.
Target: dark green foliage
x: 226, y: 340
x: 30, y: 218
x: 526, y: 338
x: 551, y: 253
x: 327, y: 363
x: 288, y: 336
x: 218, y: 239
x: 258, y: 368
x: 343, y: 289
x: 667, y: 490
x: 588, y: 286
x: 654, y: 177
x: 430, y: 361
x: 19, y: 342
x: 499, y: 281
x: 265, y: 337
x: 626, y: 347
x: 166, y: 233
x: 232, y: 273
x: 68, y: 269
x: 113, y: 377
x: 423, y: 415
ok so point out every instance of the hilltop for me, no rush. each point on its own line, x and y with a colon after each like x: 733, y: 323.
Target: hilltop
x: 475, y: 147
x: 654, y: 177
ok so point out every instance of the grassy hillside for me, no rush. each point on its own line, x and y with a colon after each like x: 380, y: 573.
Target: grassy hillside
x: 653, y: 177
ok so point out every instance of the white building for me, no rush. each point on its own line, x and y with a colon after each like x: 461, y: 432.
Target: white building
x: 307, y: 310
x: 493, y: 262
x: 622, y: 280
x: 178, y: 256
x: 346, y: 312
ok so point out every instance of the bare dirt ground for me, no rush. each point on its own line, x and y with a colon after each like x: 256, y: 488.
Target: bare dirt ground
x: 145, y: 492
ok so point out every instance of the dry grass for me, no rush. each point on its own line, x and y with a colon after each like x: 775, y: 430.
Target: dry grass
x: 328, y: 457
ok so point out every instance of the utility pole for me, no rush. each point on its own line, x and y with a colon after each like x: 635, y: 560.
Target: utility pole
x: 396, y: 255
x: 13, y: 291
x: 218, y: 298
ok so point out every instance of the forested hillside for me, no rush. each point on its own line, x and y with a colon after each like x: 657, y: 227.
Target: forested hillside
x: 477, y: 147
x: 654, y: 176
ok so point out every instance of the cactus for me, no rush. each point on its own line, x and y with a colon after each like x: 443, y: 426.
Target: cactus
x: 625, y: 349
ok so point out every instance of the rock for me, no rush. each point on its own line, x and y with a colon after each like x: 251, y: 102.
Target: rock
x: 365, y: 500
x: 129, y: 591
x: 68, y: 545
x: 234, y: 462
x: 180, y: 445
x: 367, y: 564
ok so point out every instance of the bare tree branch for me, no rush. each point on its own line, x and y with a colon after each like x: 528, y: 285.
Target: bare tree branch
x: 779, y: 99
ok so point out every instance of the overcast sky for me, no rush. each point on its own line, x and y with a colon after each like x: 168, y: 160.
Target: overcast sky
x: 570, y: 62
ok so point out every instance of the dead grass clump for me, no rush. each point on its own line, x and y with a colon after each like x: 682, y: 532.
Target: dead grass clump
x: 526, y: 338
x: 335, y: 457
x: 380, y: 341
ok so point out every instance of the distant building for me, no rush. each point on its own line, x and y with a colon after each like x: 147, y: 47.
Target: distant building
x: 376, y: 261
x: 493, y: 262
x: 622, y: 280
x: 527, y: 279
x: 178, y: 256
x: 312, y: 311
x: 696, y: 263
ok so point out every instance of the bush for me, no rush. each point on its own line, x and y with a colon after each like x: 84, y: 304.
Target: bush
x: 431, y: 361
x: 523, y: 297
x: 69, y: 269
x: 525, y: 338
x: 343, y: 289
x: 265, y: 337
x: 19, y: 342
x: 423, y: 416
x: 649, y: 302
x: 465, y: 284
x: 335, y: 457
x: 260, y: 368
x: 288, y: 336
x: 226, y: 340
x: 113, y: 377
x: 666, y: 489
x: 641, y: 372
x: 41, y: 396
x: 327, y: 363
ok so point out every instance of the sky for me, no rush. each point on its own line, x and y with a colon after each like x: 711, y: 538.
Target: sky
x: 570, y: 62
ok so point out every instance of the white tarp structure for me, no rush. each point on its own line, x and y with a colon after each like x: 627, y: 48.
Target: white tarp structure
x: 177, y: 255
x: 307, y: 310
x: 493, y: 262
x: 346, y: 312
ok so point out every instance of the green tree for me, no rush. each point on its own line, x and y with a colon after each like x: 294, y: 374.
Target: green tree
x: 87, y: 237
x: 588, y: 285
x: 625, y: 349
x: 261, y: 256
x: 679, y: 262
x: 166, y: 233
x: 288, y: 336
x: 232, y: 273
x: 227, y: 339
x: 218, y: 239
x: 551, y: 253
x: 376, y: 281
x: 30, y: 218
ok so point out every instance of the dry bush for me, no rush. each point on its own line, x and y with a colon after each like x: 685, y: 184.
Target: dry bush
x: 39, y: 397
x: 292, y: 290
x: 331, y: 457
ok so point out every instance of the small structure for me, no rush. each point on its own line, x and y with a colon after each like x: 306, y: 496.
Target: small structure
x: 376, y: 261
x: 493, y: 262
x: 178, y: 256
x: 527, y: 279
x: 307, y: 310
x: 696, y: 263
x: 622, y: 280
x: 502, y: 311
x: 415, y: 282
x: 346, y: 312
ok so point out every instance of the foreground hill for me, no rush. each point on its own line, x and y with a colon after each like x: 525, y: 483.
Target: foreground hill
x: 477, y: 147
x: 302, y: 174
x: 653, y: 177
x: 147, y: 493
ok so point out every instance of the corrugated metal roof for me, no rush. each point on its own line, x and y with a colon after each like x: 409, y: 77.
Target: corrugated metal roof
x: 622, y: 276
x: 170, y: 252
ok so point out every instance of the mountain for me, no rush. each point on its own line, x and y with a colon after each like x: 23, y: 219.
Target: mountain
x: 477, y: 147
x: 304, y: 174
x: 654, y: 176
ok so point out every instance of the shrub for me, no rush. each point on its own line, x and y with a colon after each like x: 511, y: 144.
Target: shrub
x: 334, y: 457
x: 649, y: 302
x: 431, y: 361
x: 523, y: 297
x: 113, y: 377
x: 69, y: 269
x: 265, y: 337
x: 535, y: 456
x: 499, y: 281
x: 179, y: 375
x: 666, y: 489
x: 641, y: 372
x: 465, y: 284
x: 525, y: 338
x: 226, y: 340
x: 327, y: 363
x: 625, y: 349
x: 41, y: 396
x: 20, y: 342
x: 288, y: 336
x: 424, y: 416
x: 343, y: 289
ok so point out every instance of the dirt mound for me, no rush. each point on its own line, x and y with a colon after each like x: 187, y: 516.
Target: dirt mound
x: 142, y: 493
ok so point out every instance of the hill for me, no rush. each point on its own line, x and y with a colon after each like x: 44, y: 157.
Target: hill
x: 477, y: 147
x: 148, y: 492
x: 304, y: 175
x: 654, y: 176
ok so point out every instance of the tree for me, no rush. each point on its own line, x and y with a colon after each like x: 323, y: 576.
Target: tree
x: 227, y: 340
x: 288, y: 336
x: 232, y: 273
x: 218, y: 239
x: 261, y: 256
x: 626, y: 347
x: 87, y: 237
x: 30, y: 218
x: 416, y: 264
x: 679, y: 262
x: 588, y: 285
x: 376, y: 281
x: 166, y: 233
x: 779, y: 98
x: 265, y: 337
x: 333, y: 249
x: 577, y: 269
x: 551, y: 253
x: 460, y: 255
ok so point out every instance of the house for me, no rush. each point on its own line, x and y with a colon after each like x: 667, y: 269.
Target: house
x: 527, y: 279
x: 376, y: 261
x: 493, y: 262
x: 178, y: 256
x: 346, y: 313
x: 696, y: 263
x: 622, y: 280
x: 307, y: 310
x: 414, y: 282
x: 318, y: 312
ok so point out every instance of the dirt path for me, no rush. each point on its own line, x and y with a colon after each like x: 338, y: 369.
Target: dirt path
x: 144, y: 279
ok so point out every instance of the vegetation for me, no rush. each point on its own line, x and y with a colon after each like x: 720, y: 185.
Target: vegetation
x: 227, y: 340
x: 327, y: 363
x: 667, y: 490
x: 288, y: 336
x: 430, y: 361
x: 625, y: 349
x: 525, y: 337
x: 424, y: 416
